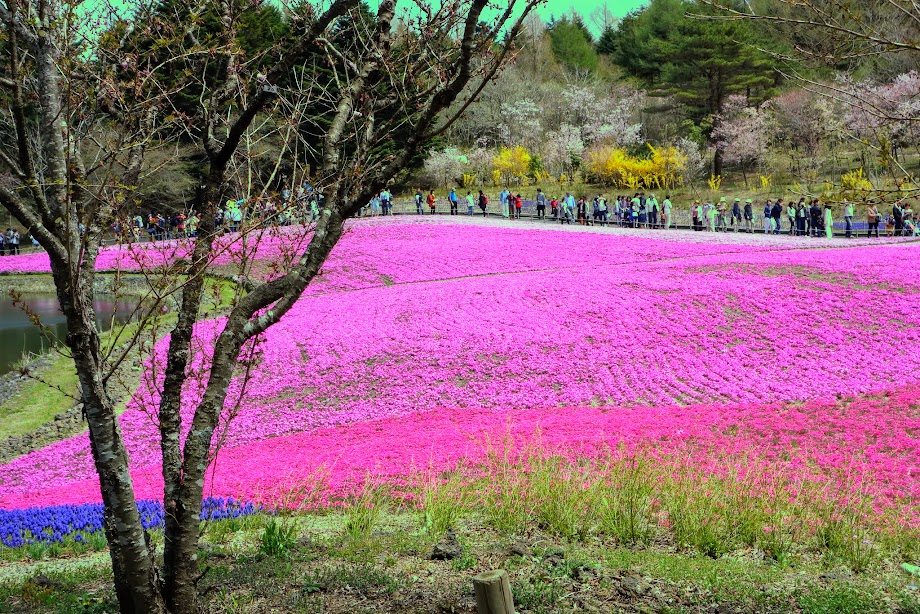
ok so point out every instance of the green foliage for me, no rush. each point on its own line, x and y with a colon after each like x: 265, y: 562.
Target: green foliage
x: 698, y: 61
x: 627, y: 508
x: 839, y: 598
x: 572, y: 46
x: 363, y: 513
x: 444, y: 502
x: 278, y: 538
x: 607, y: 43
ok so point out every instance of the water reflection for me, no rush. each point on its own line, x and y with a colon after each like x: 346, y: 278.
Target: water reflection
x: 19, y: 336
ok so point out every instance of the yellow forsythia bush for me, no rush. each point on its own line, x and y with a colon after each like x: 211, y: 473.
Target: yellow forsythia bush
x: 615, y: 167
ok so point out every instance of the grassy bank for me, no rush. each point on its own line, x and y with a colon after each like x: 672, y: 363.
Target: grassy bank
x: 54, y: 388
x: 626, y: 535
x: 338, y: 563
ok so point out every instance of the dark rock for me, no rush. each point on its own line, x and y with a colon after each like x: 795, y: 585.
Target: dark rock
x: 448, y: 549
x: 520, y: 548
x: 632, y: 586
x: 554, y: 558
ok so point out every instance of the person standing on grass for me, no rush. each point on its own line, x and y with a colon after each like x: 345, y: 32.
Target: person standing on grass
x: 483, y: 203
x: 848, y: 219
x: 452, y: 200
x: 419, y: 198
x: 470, y: 203
x: 541, y: 204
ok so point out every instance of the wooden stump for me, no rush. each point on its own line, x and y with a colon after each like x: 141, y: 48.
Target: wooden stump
x: 493, y: 593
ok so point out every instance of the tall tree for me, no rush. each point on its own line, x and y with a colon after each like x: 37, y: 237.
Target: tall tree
x: 67, y: 190
x: 572, y: 45
x: 699, y: 62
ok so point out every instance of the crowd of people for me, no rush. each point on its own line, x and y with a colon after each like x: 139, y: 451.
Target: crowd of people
x: 9, y: 242
x: 302, y: 205
x: 799, y: 218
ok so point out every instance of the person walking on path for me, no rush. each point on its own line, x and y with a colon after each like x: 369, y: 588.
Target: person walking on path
x: 470, y: 203
x: 518, y: 205
x: 452, y: 199
x: 385, y: 202
x: 768, y: 217
x: 801, y: 217
x: 828, y: 221
x: 12, y: 240
x: 653, y: 209
x: 541, y: 204
x: 897, y: 212
x: 848, y: 219
x: 568, y: 209
x: 503, y: 201
x: 777, y: 214
x: 431, y: 202
x: 749, y: 216
x: 666, y: 212
x: 872, y: 217
x: 419, y: 198
x: 791, y: 211
x: 483, y: 203
x: 736, y: 214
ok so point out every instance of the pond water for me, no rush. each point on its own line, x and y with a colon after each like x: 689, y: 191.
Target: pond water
x: 18, y: 336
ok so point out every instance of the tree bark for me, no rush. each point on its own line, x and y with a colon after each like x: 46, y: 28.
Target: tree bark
x: 132, y: 563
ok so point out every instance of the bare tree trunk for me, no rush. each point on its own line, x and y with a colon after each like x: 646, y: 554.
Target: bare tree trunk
x: 717, y: 163
x: 132, y: 563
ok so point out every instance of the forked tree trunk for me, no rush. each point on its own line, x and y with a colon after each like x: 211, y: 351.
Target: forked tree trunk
x: 132, y: 564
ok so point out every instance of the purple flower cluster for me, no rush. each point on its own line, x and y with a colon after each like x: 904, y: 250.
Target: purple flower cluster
x: 55, y: 523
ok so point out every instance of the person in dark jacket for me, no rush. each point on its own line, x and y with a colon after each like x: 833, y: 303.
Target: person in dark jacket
x: 816, y: 215
x: 897, y: 212
x: 776, y: 212
x: 749, y: 216
x: 736, y: 214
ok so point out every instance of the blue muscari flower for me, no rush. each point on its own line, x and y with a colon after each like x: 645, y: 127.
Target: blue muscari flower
x: 53, y: 524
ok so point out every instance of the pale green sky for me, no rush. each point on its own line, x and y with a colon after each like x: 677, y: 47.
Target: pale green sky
x: 616, y: 8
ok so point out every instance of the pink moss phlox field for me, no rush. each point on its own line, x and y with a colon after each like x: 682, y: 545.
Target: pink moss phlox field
x: 816, y: 441
x: 717, y: 345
